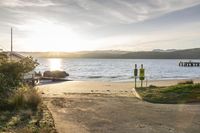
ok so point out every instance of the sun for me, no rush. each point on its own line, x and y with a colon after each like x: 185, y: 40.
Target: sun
x: 49, y: 36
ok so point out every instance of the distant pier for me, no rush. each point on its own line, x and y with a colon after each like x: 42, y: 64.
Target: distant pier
x: 189, y: 64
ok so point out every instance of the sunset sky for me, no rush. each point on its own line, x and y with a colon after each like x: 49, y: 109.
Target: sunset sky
x: 78, y: 25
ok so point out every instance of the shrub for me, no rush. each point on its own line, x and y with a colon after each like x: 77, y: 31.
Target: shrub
x: 186, y: 82
x: 18, y: 99
x: 33, y: 99
x: 152, y: 86
x: 25, y: 97
x: 11, y: 72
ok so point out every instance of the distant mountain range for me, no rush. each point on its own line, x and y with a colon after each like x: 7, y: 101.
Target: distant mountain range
x: 161, y: 50
x: 110, y: 54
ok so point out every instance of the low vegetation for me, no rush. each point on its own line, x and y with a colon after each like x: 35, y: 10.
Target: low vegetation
x: 181, y: 93
x: 24, y: 112
x: 21, y: 107
x: 186, y: 82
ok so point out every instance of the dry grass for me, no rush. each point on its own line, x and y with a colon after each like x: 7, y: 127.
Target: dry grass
x: 25, y: 97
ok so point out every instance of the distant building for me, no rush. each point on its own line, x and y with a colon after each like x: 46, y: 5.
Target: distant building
x: 15, y: 56
x: 12, y: 55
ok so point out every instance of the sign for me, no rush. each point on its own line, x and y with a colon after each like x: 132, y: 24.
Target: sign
x: 142, y: 73
x: 135, y: 72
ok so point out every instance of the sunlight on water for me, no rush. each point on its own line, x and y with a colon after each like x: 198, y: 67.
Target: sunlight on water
x: 118, y: 69
x: 55, y: 64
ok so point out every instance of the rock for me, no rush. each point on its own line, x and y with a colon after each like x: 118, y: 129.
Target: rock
x: 55, y: 74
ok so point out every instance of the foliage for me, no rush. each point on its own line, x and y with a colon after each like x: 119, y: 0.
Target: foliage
x: 11, y: 72
x: 32, y: 99
x: 184, y: 93
x: 3, y: 57
x: 25, y: 97
x: 27, y: 121
x: 186, y: 82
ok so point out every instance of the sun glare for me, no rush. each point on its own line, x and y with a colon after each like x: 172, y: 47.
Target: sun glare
x: 49, y: 36
x: 55, y: 64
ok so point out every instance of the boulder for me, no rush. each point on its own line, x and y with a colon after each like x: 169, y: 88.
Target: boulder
x: 55, y: 74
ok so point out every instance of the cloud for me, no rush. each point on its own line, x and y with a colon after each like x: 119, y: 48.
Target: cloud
x: 95, y: 18
x: 105, y: 12
x: 25, y: 3
x: 94, y: 12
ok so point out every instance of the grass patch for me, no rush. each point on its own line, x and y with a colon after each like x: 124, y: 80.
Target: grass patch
x: 22, y: 98
x: 186, y: 82
x: 27, y: 121
x: 181, y: 93
x: 22, y: 111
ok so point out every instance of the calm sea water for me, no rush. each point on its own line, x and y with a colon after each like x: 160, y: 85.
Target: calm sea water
x: 118, y: 69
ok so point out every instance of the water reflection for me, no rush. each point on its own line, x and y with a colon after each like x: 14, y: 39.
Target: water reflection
x: 55, y: 64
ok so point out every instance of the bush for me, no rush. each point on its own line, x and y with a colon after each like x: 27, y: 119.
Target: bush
x: 152, y: 86
x: 11, y: 72
x: 33, y: 99
x: 186, y: 82
x: 18, y: 98
x: 25, y: 97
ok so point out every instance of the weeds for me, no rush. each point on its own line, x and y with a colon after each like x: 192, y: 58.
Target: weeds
x: 25, y: 97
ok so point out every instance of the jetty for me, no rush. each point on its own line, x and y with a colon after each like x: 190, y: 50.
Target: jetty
x: 189, y: 64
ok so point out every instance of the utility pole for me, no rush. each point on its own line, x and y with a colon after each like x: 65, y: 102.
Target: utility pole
x: 11, y: 48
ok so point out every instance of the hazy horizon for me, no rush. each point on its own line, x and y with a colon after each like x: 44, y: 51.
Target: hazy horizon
x: 153, y: 50
x: 90, y: 25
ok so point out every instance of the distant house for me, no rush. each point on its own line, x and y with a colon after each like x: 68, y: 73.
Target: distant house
x: 11, y: 55
x: 15, y: 56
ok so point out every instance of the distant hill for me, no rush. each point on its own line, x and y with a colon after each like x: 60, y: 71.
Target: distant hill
x: 161, y: 50
x: 109, y: 54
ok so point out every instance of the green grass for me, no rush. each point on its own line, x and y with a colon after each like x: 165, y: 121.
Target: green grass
x: 181, y: 93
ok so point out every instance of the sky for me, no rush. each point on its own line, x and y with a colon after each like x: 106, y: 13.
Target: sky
x: 82, y: 25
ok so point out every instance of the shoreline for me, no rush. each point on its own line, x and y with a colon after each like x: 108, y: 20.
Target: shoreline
x: 60, y: 89
x: 81, y: 106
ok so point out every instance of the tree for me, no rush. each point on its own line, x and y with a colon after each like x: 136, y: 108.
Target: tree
x: 11, y: 72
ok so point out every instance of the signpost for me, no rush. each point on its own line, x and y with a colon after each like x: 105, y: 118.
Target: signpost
x: 135, y: 74
x: 142, y: 74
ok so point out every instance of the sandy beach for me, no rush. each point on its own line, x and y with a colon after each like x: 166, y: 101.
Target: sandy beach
x: 59, y: 89
x: 111, y: 107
